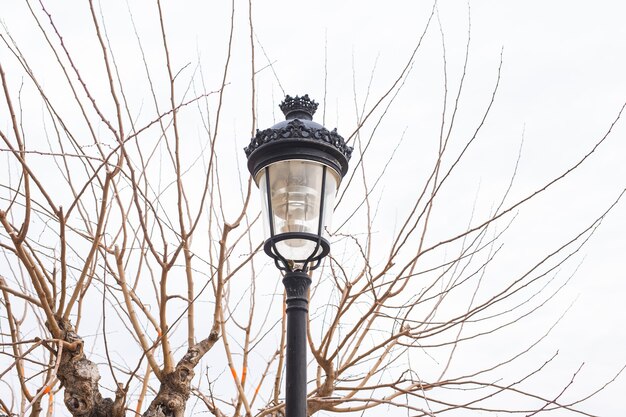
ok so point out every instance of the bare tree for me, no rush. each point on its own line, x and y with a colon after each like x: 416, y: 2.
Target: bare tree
x: 133, y: 282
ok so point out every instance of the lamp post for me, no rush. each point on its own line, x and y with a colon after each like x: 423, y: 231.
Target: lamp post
x: 298, y: 165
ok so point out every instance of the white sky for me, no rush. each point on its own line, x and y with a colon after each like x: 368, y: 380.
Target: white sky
x: 562, y: 85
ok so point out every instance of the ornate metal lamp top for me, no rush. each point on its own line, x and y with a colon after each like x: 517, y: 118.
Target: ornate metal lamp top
x: 298, y: 107
x: 298, y: 137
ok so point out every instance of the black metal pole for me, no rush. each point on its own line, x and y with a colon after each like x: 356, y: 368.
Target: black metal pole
x: 297, y: 285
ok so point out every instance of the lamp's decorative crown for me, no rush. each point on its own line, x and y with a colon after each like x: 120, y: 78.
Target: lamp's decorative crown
x: 298, y: 107
x: 302, y: 139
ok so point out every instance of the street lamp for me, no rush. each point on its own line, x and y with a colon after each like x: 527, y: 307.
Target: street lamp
x: 298, y: 165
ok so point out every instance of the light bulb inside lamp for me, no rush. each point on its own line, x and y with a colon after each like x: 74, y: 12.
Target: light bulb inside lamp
x: 297, y: 206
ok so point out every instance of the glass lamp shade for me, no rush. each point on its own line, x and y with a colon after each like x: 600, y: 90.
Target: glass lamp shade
x: 298, y: 198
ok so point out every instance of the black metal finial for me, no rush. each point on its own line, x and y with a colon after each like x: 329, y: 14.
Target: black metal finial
x: 298, y: 107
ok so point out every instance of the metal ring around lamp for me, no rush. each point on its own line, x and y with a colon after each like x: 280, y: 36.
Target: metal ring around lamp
x: 270, y: 245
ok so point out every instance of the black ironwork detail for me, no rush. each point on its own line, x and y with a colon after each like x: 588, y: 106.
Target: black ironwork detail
x: 292, y: 106
x: 297, y: 285
x: 298, y: 129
